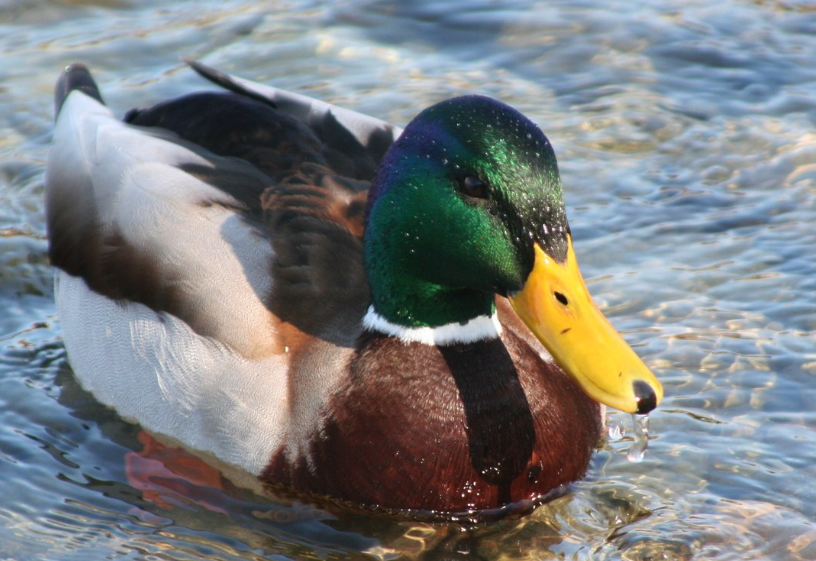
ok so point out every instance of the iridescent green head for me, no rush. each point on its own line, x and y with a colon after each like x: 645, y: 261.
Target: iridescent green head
x: 455, y: 210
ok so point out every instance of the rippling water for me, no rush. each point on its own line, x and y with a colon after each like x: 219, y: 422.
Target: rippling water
x: 685, y: 134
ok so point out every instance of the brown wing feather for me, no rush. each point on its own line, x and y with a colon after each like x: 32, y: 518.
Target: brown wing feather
x: 277, y: 176
x: 312, y: 214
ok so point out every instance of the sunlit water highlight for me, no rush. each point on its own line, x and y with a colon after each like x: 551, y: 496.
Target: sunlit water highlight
x: 685, y: 137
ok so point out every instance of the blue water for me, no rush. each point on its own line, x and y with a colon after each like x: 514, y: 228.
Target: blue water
x: 686, y: 136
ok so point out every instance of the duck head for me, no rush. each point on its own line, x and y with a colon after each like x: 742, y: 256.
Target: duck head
x: 466, y: 204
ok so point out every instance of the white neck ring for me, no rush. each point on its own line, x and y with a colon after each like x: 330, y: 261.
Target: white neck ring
x: 480, y: 328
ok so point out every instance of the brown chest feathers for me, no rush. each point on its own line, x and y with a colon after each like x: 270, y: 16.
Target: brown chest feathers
x: 447, y: 429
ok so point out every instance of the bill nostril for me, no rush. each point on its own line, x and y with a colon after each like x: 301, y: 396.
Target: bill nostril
x: 646, y: 397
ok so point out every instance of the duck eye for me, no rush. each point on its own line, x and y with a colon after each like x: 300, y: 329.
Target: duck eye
x: 473, y: 187
x: 561, y: 298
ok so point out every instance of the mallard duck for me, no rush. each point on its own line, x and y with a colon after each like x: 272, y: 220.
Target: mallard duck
x: 393, y: 318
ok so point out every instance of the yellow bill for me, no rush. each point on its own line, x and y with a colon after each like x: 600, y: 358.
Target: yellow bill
x: 557, y: 307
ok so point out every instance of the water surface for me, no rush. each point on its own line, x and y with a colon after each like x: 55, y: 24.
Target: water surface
x: 685, y: 136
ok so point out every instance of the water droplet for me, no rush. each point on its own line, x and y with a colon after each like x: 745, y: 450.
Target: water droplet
x: 444, y: 161
x: 614, y: 430
x: 530, y: 136
x: 638, y: 449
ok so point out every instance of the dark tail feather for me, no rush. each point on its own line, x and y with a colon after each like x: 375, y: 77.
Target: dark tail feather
x: 75, y: 77
x: 226, y: 82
